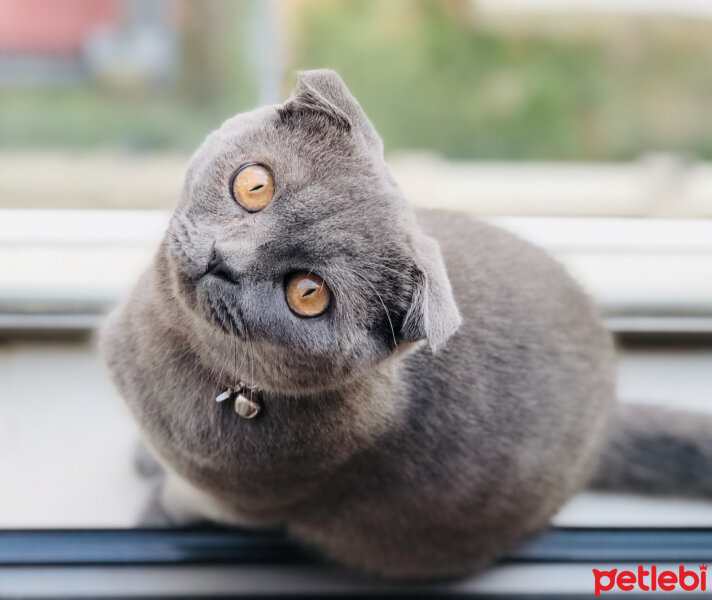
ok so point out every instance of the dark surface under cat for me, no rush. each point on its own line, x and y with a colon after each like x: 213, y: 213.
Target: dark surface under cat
x: 220, y: 563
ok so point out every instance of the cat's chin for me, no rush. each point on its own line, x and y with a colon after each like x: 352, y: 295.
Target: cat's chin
x: 262, y: 366
x: 296, y: 383
x: 278, y: 372
x: 309, y: 381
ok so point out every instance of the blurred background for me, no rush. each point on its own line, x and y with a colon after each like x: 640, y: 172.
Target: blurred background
x: 91, y: 86
x: 584, y: 126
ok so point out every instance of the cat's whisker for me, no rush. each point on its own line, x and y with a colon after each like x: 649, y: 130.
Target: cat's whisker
x: 224, y: 366
x: 252, y: 362
x: 242, y: 360
x: 234, y: 352
x: 380, y: 299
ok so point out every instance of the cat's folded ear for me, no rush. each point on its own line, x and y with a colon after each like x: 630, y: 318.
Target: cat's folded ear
x: 322, y: 92
x: 433, y: 314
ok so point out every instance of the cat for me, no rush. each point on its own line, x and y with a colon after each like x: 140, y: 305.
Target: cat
x: 431, y: 389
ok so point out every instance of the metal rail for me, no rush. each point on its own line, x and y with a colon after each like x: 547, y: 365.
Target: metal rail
x: 214, y: 545
x: 220, y: 563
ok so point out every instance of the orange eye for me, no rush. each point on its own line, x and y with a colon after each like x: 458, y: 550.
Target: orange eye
x: 252, y: 187
x: 307, y: 294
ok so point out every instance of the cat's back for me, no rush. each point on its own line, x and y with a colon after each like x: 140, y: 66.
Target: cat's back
x: 502, y: 281
x: 532, y: 365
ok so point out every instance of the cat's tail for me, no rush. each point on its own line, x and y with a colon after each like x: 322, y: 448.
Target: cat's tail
x: 657, y: 450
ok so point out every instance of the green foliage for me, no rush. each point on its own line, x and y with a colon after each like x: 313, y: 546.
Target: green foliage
x: 87, y: 118
x: 430, y: 76
x: 429, y: 79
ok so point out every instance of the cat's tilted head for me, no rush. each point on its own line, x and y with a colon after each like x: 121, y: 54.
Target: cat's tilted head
x: 292, y: 238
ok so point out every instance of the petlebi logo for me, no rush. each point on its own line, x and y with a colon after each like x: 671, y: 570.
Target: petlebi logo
x: 651, y: 579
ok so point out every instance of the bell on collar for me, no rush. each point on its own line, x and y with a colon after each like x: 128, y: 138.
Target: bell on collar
x: 245, y: 406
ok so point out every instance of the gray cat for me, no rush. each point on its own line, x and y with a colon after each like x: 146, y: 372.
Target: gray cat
x: 429, y: 389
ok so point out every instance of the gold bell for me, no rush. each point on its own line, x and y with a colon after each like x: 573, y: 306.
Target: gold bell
x: 245, y: 406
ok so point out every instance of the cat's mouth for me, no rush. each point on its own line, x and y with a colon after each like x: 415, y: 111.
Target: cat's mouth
x: 223, y: 315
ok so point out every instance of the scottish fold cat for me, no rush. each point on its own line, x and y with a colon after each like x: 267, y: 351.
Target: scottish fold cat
x: 410, y: 392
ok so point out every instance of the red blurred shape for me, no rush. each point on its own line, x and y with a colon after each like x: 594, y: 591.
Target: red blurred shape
x: 57, y: 26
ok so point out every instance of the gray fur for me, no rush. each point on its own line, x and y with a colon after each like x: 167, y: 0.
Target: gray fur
x: 428, y: 421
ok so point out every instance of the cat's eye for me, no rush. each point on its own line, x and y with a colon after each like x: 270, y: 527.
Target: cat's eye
x: 253, y: 187
x: 307, y: 294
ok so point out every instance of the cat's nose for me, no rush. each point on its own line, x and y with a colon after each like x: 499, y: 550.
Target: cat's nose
x: 219, y: 268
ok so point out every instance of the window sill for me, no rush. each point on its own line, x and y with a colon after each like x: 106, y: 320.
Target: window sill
x: 65, y: 269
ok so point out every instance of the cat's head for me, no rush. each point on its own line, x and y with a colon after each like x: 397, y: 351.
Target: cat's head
x: 292, y: 237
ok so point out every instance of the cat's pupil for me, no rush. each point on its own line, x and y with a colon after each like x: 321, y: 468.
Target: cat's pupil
x: 309, y: 292
x: 257, y: 187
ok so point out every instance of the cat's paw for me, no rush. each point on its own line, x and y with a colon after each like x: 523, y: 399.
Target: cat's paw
x: 161, y: 511
x: 144, y: 462
x: 154, y: 515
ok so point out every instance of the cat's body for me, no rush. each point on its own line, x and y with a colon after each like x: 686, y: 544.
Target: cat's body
x: 387, y: 455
